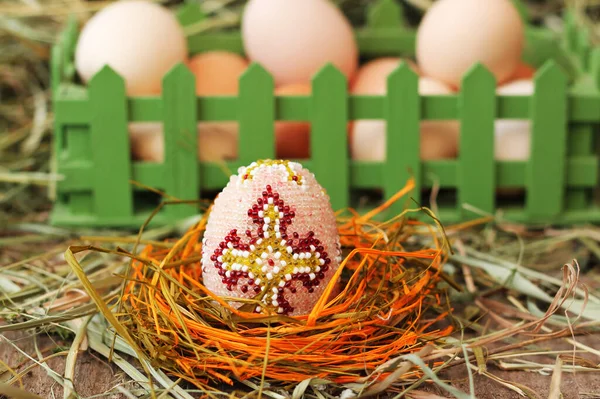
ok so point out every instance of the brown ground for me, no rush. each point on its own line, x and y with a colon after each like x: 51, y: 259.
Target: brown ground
x: 94, y: 376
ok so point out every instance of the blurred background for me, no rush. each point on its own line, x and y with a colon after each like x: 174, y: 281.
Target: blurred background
x: 28, y: 29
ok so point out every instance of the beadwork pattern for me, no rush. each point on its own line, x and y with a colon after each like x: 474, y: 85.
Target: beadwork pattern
x: 282, y: 249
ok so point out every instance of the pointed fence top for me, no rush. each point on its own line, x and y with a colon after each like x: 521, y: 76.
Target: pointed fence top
x: 328, y: 73
x: 478, y: 73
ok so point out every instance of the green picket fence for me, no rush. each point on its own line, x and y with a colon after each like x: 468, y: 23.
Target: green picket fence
x: 93, y: 154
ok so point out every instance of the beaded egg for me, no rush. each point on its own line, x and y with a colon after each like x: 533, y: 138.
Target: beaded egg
x: 271, y: 235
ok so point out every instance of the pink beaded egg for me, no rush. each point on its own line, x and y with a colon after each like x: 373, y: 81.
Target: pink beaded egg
x: 271, y: 235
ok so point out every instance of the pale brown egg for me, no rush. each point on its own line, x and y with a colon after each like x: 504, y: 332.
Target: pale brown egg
x: 456, y: 34
x: 217, y: 72
x: 439, y: 139
x: 368, y: 78
x: 294, y: 39
x: 217, y: 141
x: 140, y: 40
x: 523, y: 71
x: 293, y: 138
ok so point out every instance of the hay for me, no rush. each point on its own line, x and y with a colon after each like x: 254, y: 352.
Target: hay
x: 498, y: 319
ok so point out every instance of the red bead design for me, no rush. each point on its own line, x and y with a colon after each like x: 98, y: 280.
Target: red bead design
x: 269, y: 258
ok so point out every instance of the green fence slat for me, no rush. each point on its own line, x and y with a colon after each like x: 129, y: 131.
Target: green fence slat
x: 329, y: 137
x: 477, y: 180
x: 256, y: 115
x: 546, y: 166
x: 110, y: 143
x: 181, y: 140
x: 403, y: 135
x: 385, y: 14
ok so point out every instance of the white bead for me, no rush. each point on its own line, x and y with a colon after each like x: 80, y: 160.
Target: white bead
x: 295, y: 271
x: 312, y: 276
x: 295, y: 256
x: 267, y: 219
x: 276, y: 270
x: 252, y: 248
x: 270, y: 200
x: 318, y: 269
x: 276, y: 208
x: 258, y: 309
x: 307, y: 255
x: 266, y: 235
x: 227, y: 273
x: 265, y: 227
x: 283, y: 243
x: 257, y: 281
x: 283, y: 263
x: 224, y: 265
x: 288, y: 277
x: 317, y: 255
x: 264, y: 269
x: 264, y: 255
x: 258, y: 261
x: 220, y: 259
x: 278, y: 234
x: 279, y: 310
x: 280, y: 214
x: 246, y: 254
x: 312, y: 248
x: 265, y: 207
x: 321, y: 262
x: 274, y: 289
x: 261, y: 214
x: 251, y: 276
x: 259, y: 241
x: 270, y: 249
x: 301, y: 256
x: 282, y: 284
x: 225, y: 250
x: 289, y: 249
x: 275, y: 303
x: 229, y: 245
x: 277, y: 255
x: 269, y: 276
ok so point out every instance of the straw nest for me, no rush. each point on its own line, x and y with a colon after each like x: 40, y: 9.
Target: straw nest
x: 390, y: 304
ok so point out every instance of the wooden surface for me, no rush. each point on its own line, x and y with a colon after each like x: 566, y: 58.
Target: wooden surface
x: 94, y: 376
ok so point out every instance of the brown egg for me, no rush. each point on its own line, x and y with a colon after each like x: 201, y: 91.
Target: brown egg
x: 216, y: 141
x: 523, y: 71
x: 368, y: 79
x: 367, y: 138
x: 217, y: 72
x: 293, y: 138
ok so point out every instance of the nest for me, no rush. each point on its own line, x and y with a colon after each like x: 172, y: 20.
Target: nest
x: 388, y: 303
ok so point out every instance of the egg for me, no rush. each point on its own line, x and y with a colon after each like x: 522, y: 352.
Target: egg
x: 439, y: 139
x: 372, y: 71
x: 271, y: 231
x: 217, y: 72
x: 455, y: 34
x: 293, y: 138
x: 217, y: 141
x: 140, y: 40
x: 512, y: 136
x: 294, y: 39
x: 523, y: 71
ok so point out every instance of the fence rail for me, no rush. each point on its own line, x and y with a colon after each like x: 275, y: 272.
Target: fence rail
x: 559, y: 178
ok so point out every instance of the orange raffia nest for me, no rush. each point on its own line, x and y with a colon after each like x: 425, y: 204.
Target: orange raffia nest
x: 389, y: 304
